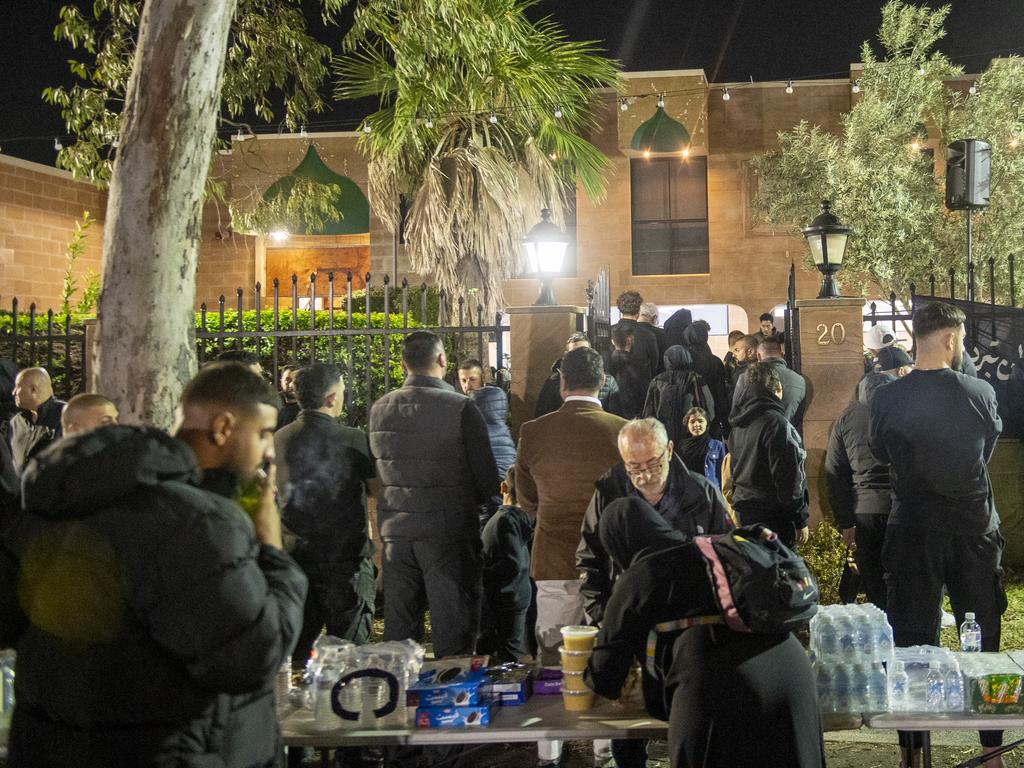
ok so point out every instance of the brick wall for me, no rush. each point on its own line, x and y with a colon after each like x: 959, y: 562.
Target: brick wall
x: 39, y: 206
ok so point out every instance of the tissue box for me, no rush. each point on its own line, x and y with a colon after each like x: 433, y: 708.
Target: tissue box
x: 453, y: 717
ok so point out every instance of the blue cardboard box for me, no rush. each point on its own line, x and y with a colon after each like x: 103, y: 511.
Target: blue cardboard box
x: 453, y: 717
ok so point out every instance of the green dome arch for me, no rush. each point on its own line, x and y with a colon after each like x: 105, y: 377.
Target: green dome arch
x: 660, y: 135
x: 352, y: 205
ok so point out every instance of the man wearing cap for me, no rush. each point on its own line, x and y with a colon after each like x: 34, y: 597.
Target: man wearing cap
x: 879, y: 337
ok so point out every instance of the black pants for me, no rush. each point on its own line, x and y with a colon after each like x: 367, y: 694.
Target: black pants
x: 629, y: 753
x: 918, y: 563
x: 341, y: 598
x: 868, y: 556
x: 436, y: 573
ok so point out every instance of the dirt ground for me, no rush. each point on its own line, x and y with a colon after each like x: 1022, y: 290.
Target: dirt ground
x: 839, y: 754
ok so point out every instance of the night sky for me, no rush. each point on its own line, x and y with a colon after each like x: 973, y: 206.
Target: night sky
x: 731, y: 40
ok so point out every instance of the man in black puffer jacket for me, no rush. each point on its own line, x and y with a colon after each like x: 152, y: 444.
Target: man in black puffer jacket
x: 769, y: 483
x: 150, y: 615
x: 435, y: 467
x: 859, y: 489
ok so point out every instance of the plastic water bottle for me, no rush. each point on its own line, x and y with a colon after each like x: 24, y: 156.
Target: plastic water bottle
x: 847, y: 644
x: 899, y: 688
x: 970, y: 634
x: 823, y: 682
x: 283, y: 686
x: 878, y: 699
x: 6, y: 689
x: 935, y: 693
x: 324, y: 718
x: 954, y: 691
x: 883, y: 641
x: 828, y: 639
x: 858, y: 688
x: 841, y: 689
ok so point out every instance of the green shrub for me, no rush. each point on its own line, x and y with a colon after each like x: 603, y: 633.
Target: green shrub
x: 357, y: 356
x: 825, y: 554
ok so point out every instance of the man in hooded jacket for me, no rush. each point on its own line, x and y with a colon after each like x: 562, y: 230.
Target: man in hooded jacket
x: 712, y: 370
x: 859, y: 489
x: 769, y: 483
x: 149, y: 611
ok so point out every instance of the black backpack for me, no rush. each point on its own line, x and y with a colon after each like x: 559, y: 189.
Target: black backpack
x: 760, y: 584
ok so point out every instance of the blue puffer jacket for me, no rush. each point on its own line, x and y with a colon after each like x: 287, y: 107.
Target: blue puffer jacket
x: 493, y: 404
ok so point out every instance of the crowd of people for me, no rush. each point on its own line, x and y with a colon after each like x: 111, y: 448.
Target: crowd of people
x: 153, y: 583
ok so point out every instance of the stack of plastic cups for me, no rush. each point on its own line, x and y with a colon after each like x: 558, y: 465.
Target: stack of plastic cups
x: 578, y: 644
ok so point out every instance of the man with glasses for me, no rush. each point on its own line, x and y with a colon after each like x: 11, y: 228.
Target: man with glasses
x: 650, y: 470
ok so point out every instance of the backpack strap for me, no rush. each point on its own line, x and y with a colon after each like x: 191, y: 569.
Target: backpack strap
x: 720, y: 584
x: 672, y: 626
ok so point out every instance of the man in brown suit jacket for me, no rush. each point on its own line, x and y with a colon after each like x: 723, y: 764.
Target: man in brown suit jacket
x: 561, y: 455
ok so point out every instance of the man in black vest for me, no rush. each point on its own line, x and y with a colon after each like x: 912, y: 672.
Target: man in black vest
x: 435, y: 467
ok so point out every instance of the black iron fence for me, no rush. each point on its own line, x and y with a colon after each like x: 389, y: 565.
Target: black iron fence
x: 599, y: 322
x: 360, y: 330
x: 54, y: 341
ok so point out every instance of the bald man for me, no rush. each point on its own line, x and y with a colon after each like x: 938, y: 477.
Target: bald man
x: 87, y: 411
x: 37, y: 422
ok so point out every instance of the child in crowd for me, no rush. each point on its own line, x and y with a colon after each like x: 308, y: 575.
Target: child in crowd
x: 699, y: 452
x: 508, y: 589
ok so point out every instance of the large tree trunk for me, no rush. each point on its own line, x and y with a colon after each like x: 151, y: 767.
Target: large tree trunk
x: 146, y: 339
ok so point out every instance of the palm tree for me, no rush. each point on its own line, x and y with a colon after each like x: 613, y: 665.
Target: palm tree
x: 479, y: 125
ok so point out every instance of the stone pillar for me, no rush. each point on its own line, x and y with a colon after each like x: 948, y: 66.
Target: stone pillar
x: 832, y: 361
x: 538, y: 339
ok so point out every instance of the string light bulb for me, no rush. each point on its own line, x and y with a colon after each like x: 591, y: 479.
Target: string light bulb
x: 430, y: 122
x: 647, y: 153
x: 685, y: 153
x: 558, y: 113
x: 367, y: 128
x: 302, y: 132
x: 57, y: 146
x: 920, y: 70
x: 856, y: 86
x: 789, y: 86
x: 623, y: 104
x: 725, y: 95
x: 1014, y: 142
x: 661, y: 100
x: 973, y: 90
x: 493, y: 119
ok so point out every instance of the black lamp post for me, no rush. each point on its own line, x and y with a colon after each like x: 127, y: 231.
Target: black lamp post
x: 544, y: 247
x: 826, y: 238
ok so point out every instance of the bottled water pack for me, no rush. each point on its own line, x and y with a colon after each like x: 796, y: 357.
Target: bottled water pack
x: 852, y: 650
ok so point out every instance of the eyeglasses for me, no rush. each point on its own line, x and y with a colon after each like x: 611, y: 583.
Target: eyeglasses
x: 650, y: 469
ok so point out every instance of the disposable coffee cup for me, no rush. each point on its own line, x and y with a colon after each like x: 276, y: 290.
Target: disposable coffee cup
x: 577, y: 701
x: 579, y: 638
x: 573, y: 681
x: 574, y: 661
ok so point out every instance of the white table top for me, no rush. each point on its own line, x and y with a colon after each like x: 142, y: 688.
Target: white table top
x: 541, y: 717
x: 943, y: 721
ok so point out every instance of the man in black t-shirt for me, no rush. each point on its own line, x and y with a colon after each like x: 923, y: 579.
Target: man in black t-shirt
x: 323, y: 472
x: 937, y: 429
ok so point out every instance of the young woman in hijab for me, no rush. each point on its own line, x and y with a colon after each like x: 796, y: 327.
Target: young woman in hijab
x: 699, y: 451
x: 731, y: 698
